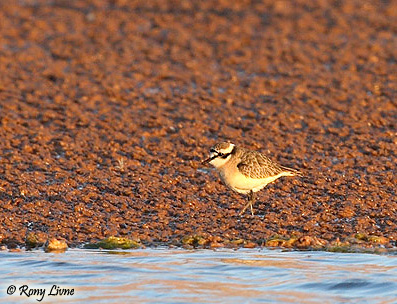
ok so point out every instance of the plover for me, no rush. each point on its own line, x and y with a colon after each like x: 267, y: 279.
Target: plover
x: 245, y: 171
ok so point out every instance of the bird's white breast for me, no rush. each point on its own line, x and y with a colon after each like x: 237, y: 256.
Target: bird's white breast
x: 235, y: 180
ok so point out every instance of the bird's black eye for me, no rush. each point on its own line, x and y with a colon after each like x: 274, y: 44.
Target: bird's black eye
x: 224, y: 155
x: 213, y: 151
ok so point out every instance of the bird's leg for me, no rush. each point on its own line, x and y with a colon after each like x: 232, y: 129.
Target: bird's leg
x: 251, y: 200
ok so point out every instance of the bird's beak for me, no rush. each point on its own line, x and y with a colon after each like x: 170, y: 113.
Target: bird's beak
x: 209, y: 159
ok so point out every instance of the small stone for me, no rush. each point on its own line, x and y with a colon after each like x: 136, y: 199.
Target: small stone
x: 55, y: 245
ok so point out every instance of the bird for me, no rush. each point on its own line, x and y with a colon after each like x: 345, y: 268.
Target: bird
x: 245, y: 171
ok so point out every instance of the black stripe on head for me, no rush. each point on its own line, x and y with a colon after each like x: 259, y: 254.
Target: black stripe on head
x: 224, y: 156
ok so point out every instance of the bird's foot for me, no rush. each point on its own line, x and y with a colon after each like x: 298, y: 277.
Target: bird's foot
x: 245, y: 208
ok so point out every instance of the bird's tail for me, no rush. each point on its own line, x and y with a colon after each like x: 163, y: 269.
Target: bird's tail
x: 291, y: 172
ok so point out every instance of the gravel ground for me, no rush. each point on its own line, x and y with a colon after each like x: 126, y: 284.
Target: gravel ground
x: 108, y: 107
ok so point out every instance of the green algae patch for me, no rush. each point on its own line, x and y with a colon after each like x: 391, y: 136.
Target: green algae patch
x: 372, y: 239
x: 210, y: 241
x: 358, y: 249
x: 341, y: 248
x: 361, y: 243
x: 277, y: 241
x: 378, y: 240
x: 237, y: 242
x: 194, y: 240
x: 113, y: 242
x: 35, y: 239
x: 240, y: 243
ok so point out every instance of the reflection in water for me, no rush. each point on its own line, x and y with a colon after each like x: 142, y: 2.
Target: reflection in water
x: 202, y: 276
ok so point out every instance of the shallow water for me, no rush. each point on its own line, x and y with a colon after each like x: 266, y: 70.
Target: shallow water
x: 198, y: 276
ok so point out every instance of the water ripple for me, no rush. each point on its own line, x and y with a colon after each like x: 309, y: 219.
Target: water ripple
x: 204, y: 276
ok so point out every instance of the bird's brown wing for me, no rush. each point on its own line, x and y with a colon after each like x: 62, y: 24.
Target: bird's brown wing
x: 257, y: 165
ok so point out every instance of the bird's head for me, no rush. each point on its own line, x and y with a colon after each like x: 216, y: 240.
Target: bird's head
x: 220, y: 154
